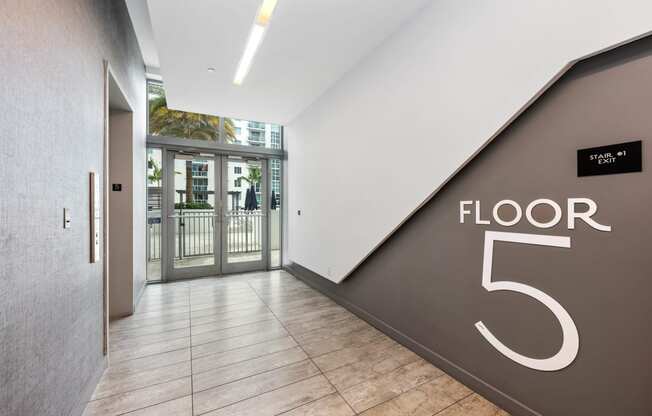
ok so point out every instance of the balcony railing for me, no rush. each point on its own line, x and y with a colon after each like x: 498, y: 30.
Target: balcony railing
x: 195, y: 230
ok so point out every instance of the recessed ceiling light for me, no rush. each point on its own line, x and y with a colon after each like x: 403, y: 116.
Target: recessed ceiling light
x: 255, y: 39
x: 211, y: 69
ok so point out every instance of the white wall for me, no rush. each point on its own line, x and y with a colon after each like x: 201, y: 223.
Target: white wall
x: 458, y: 72
x: 127, y: 226
x: 139, y: 195
x: 121, y: 220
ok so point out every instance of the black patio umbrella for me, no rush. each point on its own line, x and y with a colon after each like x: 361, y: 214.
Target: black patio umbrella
x: 273, y: 205
x: 253, y: 202
x: 247, y: 201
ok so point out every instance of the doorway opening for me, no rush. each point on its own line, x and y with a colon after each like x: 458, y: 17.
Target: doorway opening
x: 117, y: 242
x: 210, y: 213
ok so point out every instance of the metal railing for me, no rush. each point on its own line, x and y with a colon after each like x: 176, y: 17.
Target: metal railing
x: 194, y: 233
x: 244, y: 231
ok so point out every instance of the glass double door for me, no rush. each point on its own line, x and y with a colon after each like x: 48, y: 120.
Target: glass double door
x: 215, y: 215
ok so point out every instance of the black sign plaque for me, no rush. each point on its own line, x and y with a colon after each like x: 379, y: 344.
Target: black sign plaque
x: 607, y: 160
x: 117, y: 187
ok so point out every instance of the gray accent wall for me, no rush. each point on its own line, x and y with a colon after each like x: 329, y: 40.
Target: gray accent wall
x: 423, y: 286
x: 51, y: 137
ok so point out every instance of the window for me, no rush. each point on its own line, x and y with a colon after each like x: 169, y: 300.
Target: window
x: 154, y: 182
x: 163, y: 121
x: 275, y: 169
x: 275, y: 136
x: 237, y: 183
x: 255, y: 125
x: 257, y: 137
x: 275, y: 213
x: 237, y: 169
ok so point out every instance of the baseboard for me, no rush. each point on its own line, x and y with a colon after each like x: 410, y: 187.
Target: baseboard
x: 87, y: 392
x: 492, y: 393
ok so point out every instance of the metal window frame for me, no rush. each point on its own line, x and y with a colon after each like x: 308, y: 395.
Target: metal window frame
x: 220, y: 149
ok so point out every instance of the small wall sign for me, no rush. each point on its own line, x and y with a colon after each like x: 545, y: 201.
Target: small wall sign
x: 608, y: 160
x: 117, y: 187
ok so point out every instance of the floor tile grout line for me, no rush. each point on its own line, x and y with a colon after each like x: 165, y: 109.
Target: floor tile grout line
x: 314, y: 401
x: 344, y: 398
x: 230, y: 337
x: 140, y: 388
x: 151, y: 342
x: 379, y: 375
x: 290, y: 335
x: 128, y: 336
x: 217, y: 321
x: 406, y: 391
x: 244, y: 346
x: 192, y: 378
x: 152, y: 405
x: 138, y: 317
x: 339, y: 320
x: 222, y: 312
x: 142, y: 322
x: 311, y: 360
x: 454, y: 403
x: 343, y: 348
x: 148, y: 356
x: 146, y: 325
x: 124, y: 374
x: 241, y: 361
x: 394, y: 343
x: 203, y: 356
x: 152, y: 355
x: 190, y: 343
x: 254, y: 375
x: 269, y: 391
x: 261, y: 394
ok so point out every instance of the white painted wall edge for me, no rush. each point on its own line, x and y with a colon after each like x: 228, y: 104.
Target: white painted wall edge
x: 414, y: 80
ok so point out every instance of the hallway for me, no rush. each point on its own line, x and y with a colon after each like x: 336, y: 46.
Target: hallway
x: 265, y: 344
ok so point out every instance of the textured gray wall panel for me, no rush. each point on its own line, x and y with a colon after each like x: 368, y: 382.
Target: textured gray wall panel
x: 51, y: 135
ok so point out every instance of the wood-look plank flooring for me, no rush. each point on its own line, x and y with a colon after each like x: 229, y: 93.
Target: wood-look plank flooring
x: 265, y: 344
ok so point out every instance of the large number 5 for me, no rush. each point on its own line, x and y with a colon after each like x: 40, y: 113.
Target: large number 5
x: 570, y: 338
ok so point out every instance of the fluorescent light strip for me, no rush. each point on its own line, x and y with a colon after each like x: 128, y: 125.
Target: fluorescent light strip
x: 255, y: 39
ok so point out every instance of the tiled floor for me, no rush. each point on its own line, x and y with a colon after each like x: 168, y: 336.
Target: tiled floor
x: 265, y: 344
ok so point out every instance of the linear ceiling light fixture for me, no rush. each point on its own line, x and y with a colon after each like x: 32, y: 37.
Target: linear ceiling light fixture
x: 255, y: 39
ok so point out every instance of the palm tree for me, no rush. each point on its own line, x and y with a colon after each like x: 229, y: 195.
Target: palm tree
x: 157, y: 173
x: 166, y: 122
x: 254, y: 175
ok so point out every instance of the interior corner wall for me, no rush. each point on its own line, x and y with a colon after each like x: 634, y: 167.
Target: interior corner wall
x: 51, y: 136
x: 426, y: 285
x: 388, y: 134
x: 138, y: 190
x: 121, y: 242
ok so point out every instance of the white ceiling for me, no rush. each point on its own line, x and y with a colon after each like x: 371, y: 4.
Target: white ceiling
x: 309, y: 45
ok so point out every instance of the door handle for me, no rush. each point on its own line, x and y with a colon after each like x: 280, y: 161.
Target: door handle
x: 183, y: 216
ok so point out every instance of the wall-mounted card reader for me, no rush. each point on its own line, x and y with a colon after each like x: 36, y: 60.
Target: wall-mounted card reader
x: 66, y: 218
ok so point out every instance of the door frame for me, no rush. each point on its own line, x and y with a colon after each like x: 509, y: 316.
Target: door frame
x: 168, y: 214
x: 109, y: 79
x: 250, y: 266
x: 166, y: 144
